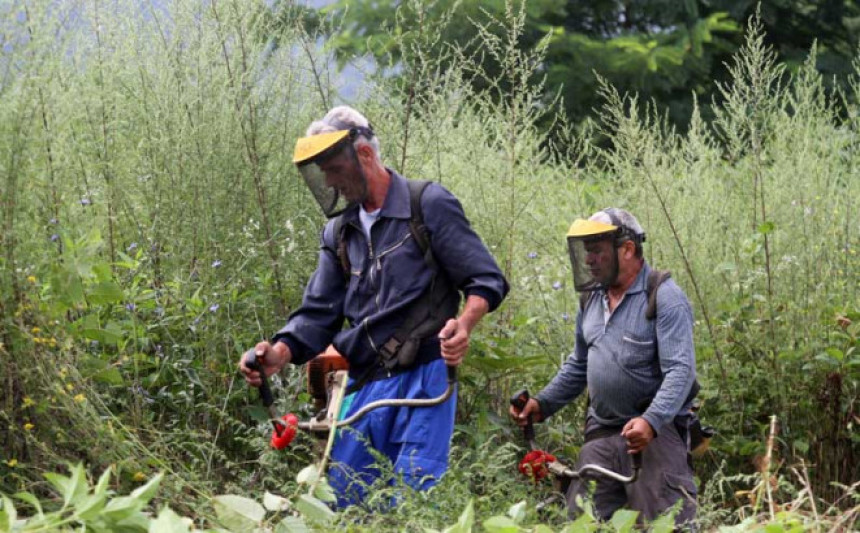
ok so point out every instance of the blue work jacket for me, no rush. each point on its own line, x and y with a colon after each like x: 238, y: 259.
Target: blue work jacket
x: 388, y: 273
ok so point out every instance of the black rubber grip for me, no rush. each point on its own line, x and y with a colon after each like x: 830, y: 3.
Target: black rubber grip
x: 265, y: 389
x: 519, y: 401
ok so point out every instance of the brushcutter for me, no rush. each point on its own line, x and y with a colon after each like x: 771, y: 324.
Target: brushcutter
x: 327, y: 376
x: 538, y: 463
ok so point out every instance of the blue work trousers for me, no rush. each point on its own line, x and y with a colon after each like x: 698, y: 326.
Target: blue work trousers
x: 415, y: 439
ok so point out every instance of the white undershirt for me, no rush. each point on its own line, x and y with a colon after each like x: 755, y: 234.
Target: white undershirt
x: 368, y: 219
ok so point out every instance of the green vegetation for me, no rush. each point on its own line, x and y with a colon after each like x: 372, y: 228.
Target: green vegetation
x: 153, y: 227
x: 670, y: 52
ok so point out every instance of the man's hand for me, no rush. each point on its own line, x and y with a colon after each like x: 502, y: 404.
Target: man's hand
x: 272, y: 359
x: 638, y: 433
x: 455, y: 342
x: 532, y: 408
x: 455, y: 334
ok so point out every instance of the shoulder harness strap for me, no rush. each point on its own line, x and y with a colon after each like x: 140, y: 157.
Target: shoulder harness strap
x: 339, y: 230
x: 416, y: 220
x: 655, y: 279
x: 416, y: 227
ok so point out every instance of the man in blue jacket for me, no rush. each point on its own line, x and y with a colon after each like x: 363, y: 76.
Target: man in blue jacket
x: 373, y: 272
x: 639, y: 370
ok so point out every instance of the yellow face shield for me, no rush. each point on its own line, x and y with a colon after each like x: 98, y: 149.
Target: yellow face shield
x: 329, y: 166
x: 591, y: 245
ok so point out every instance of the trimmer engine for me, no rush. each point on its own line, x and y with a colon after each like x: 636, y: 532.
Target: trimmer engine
x: 321, y: 374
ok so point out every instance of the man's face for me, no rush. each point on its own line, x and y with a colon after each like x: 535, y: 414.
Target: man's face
x: 343, y: 173
x: 601, y: 260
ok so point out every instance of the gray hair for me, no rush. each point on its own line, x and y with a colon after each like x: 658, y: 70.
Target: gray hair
x: 630, y: 228
x: 343, y: 118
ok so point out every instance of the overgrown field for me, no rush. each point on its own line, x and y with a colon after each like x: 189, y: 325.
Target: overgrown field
x: 154, y: 227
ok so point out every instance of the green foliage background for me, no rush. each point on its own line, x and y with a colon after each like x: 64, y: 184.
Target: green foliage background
x: 154, y: 227
x: 667, y: 51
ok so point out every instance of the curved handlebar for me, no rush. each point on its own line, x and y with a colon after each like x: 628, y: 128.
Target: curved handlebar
x: 417, y: 402
x: 558, y: 469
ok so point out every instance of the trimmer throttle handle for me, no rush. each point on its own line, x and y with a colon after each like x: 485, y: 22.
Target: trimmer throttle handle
x: 637, y: 461
x: 265, y: 390
x: 519, y: 401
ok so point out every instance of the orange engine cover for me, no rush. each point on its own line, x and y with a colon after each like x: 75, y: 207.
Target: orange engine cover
x: 320, y: 367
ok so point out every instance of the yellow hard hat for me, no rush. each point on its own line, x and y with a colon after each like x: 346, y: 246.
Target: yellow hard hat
x: 308, y: 148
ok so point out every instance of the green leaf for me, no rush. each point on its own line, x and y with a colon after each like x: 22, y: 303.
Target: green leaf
x: 466, y: 521
x: 836, y: 353
x: 146, y: 492
x: 313, y: 509
x: 766, y: 227
x: 121, y: 508
x: 501, y: 524
x: 237, y: 512
x: 137, y: 521
x: 89, y: 327
x: 106, y: 292
x: 109, y: 376
x: 102, y: 484
x: 8, y: 515
x: 801, y: 445
x: 78, y: 481
x: 324, y: 492
x: 292, y: 524
x: 517, y: 512
x: 665, y: 523
x: 170, y: 522
x: 273, y: 502
x: 59, y: 482
x: 32, y: 500
x: 70, y: 487
x: 308, y: 475
x: 89, y: 507
x: 623, y: 520
x: 585, y: 523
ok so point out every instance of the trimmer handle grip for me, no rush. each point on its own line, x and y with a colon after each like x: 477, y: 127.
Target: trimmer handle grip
x: 637, y: 461
x: 519, y: 401
x: 252, y: 362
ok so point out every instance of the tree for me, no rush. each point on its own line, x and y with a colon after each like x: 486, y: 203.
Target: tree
x: 666, y: 50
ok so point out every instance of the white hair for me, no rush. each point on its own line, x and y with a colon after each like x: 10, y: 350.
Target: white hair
x: 622, y: 217
x: 632, y: 230
x: 343, y: 118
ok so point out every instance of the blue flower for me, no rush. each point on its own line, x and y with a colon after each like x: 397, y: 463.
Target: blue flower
x: 565, y: 317
x: 7, y: 48
x: 85, y: 201
x: 55, y: 237
x: 131, y: 247
x: 214, y: 307
x: 532, y: 255
x: 216, y: 263
x: 556, y: 286
x: 130, y: 306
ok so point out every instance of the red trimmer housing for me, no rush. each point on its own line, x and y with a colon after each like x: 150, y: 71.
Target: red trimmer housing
x: 284, y: 434
x: 534, y: 464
